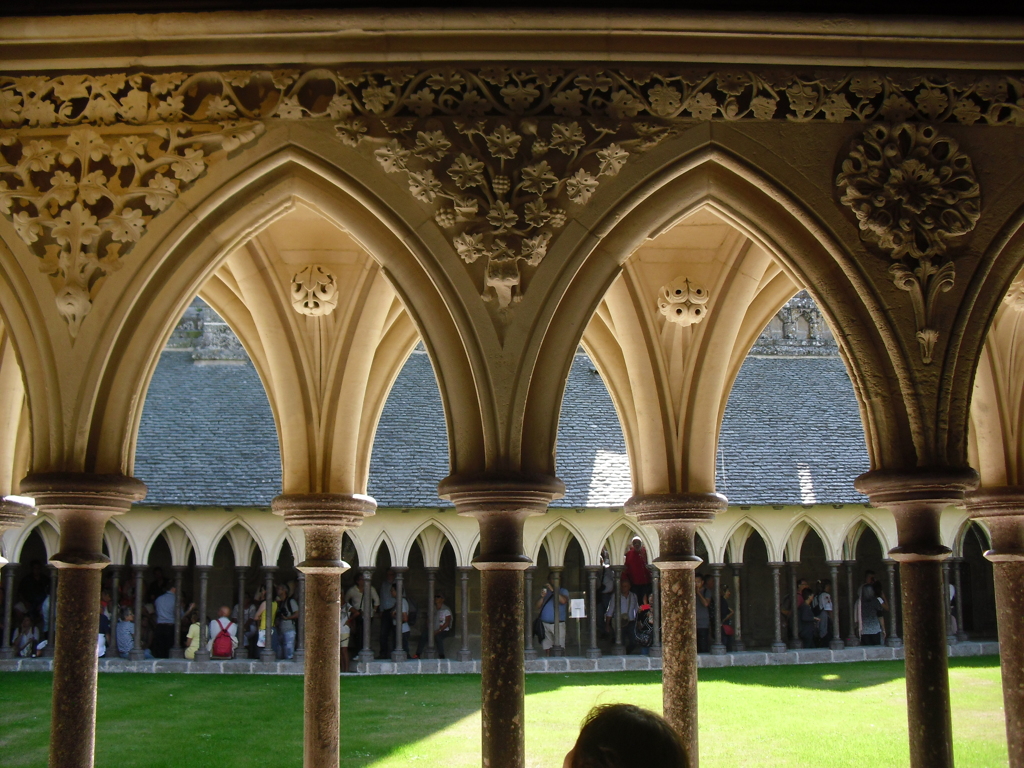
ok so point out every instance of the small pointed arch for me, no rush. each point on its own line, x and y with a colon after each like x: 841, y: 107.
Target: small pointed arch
x: 384, y: 540
x: 469, y: 553
x: 244, y: 541
x: 48, y: 532
x: 618, y: 535
x: 856, y: 529
x: 286, y: 535
x: 180, y: 540
x: 431, y: 537
x: 120, y: 542
x: 740, y: 533
x: 359, y: 545
x: 966, y: 528
x: 797, y: 534
x: 555, y: 539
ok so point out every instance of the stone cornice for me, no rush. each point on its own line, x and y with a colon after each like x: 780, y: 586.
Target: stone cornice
x: 329, y: 38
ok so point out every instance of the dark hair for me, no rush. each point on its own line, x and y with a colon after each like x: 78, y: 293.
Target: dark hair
x: 808, y: 592
x: 868, y: 573
x: 439, y: 595
x: 626, y: 736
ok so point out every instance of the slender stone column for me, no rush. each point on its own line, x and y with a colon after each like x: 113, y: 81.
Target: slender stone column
x: 777, y: 646
x: 501, y: 506
x: 463, y: 653
x: 399, y: 653
x: 836, y: 643
x: 794, y: 602
x: 593, y: 652
x: 676, y: 517
x: 137, y: 653
x: 656, y: 611
x: 365, y: 654
x: 950, y: 637
x: 82, y: 504
x: 530, y: 653
x: 202, y: 654
x: 242, y: 652
x: 717, y: 647
x: 115, y: 586
x: 6, y: 650
x: 430, y: 652
x: 916, y: 499
x: 323, y: 518
x: 177, y: 652
x: 852, y: 639
x: 620, y: 648
x: 267, y: 654
x: 558, y: 649
x: 893, y: 639
x: 738, y: 646
x: 51, y: 618
x: 1002, y: 510
x: 299, y: 654
x: 958, y: 601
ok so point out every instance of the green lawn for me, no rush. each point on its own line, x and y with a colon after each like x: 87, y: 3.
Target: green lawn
x: 818, y: 715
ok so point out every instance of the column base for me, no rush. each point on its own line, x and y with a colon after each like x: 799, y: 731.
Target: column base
x: 619, y: 650
x: 202, y: 655
x: 365, y: 656
x: 265, y: 656
x: 595, y: 653
x: 779, y: 648
x: 852, y: 642
x: 655, y: 652
x: 557, y: 650
x: 894, y: 642
x: 962, y: 637
x: 6, y: 653
x: 795, y: 645
x: 177, y: 653
x: 463, y: 656
x: 397, y: 656
x: 429, y: 653
x: 299, y: 657
x: 836, y: 645
x: 529, y: 655
x: 951, y: 640
x: 135, y: 655
x: 718, y: 650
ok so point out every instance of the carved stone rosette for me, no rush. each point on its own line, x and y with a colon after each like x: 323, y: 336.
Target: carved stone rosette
x: 913, y: 192
x: 683, y: 303
x: 314, y: 291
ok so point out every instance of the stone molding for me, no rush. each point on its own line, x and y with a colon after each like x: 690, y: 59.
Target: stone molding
x: 314, y: 291
x: 683, y: 303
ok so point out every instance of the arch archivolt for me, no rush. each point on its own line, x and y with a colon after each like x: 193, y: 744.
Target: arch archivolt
x: 431, y: 537
x: 737, y: 536
x: 619, y: 533
x: 798, y: 533
x: 243, y: 539
x: 856, y: 529
x: 48, y: 530
x: 554, y: 537
x: 180, y: 540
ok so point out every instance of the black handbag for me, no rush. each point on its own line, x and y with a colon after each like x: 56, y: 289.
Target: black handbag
x: 538, y: 625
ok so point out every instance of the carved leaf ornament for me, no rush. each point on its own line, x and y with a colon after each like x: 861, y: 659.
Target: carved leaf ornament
x: 503, y: 156
x: 314, y: 291
x: 913, y: 192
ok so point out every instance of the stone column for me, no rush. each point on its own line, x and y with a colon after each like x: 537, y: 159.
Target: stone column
x: 51, y: 618
x: 950, y: 637
x: 6, y: 650
x: 501, y: 506
x: 399, y: 653
x: 676, y: 517
x: 1002, y: 511
x: 836, y: 643
x: 463, y: 653
x: 958, y: 601
x: 137, y: 653
x: 267, y: 653
x: 365, y: 654
x: 656, y: 611
x: 893, y: 639
x: 82, y: 504
x: 620, y: 648
x: 778, y: 646
x: 530, y: 653
x: 430, y: 652
x: 852, y: 639
x: 558, y: 649
x: 242, y: 652
x: 738, y: 645
x: 177, y: 652
x: 115, y: 586
x: 916, y: 499
x: 299, y: 655
x: 202, y: 654
x: 323, y: 519
x: 593, y: 652
x: 794, y: 602
x: 717, y: 647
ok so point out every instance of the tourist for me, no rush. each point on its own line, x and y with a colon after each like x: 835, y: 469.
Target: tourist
x: 125, y: 634
x: 354, y: 600
x: 626, y: 736
x: 404, y: 618
x: 25, y: 638
x: 104, y: 630
x: 882, y: 609
x: 387, y: 612
x: 265, y: 639
x: 287, y: 615
x: 866, y: 611
x: 627, y: 606
x: 163, y: 633
x: 702, y: 601
x: 807, y: 622
x: 711, y: 587
x: 192, y: 637
x: 727, y: 612
x: 607, y: 583
x: 443, y: 620
x: 547, y: 614
x: 346, y: 633
x: 787, y: 609
x: 636, y: 568
x: 823, y: 604
x: 219, y: 647
x: 158, y: 586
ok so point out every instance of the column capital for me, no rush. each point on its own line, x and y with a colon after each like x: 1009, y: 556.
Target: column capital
x: 593, y: 568
x: 675, y: 516
x: 240, y: 570
x: 400, y: 570
x: 776, y: 565
x: 466, y: 569
x: 266, y: 569
x: 207, y: 568
x: 431, y: 569
x: 834, y: 563
x: 178, y: 568
x: 139, y: 568
x: 1002, y: 511
x: 343, y: 510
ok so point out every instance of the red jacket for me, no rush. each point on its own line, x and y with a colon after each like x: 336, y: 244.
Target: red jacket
x: 636, y: 566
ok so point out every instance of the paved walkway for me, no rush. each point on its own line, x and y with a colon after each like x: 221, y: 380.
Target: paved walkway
x: 564, y: 664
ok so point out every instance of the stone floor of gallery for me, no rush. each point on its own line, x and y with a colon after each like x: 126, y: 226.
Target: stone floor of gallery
x: 800, y: 715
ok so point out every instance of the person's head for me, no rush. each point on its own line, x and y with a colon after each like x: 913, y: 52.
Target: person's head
x: 869, y: 577
x: 439, y: 599
x: 394, y: 591
x: 826, y: 586
x: 709, y: 581
x: 879, y: 589
x: 698, y: 579
x: 26, y: 624
x: 261, y: 594
x: 390, y: 575
x: 625, y: 584
x: 626, y: 736
x: 807, y: 594
x: 246, y: 600
x: 282, y: 592
x: 727, y: 593
x: 127, y: 614
x: 360, y: 580
x: 193, y: 618
x: 801, y: 585
x: 224, y: 612
x: 637, y: 543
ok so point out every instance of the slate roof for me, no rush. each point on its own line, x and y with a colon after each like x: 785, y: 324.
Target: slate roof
x: 791, y: 435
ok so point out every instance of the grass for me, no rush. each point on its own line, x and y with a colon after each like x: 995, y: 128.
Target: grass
x: 835, y: 715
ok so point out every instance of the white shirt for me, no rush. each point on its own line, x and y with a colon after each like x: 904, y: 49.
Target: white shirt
x: 442, y: 613
x: 627, y: 606
x: 355, y: 598
x: 405, y: 609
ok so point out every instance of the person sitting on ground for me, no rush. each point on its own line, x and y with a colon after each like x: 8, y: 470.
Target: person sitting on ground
x: 808, y: 625
x: 25, y: 638
x: 192, y: 637
x: 626, y: 736
x: 627, y: 607
x: 125, y: 634
x: 442, y: 627
x: 547, y: 614
x: 223, y: 635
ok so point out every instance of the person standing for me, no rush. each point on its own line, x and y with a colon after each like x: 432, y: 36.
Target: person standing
x: 443, y: 620
x: 636, y: 568
x: 628, y: 607
x: 867, y: 611
x: 703, y: 600
x: 726, y: 612
x: 354, y: 601
x: 546, y: 606
x: 808, y: 622
x: 163, y: 633
x: 607, y: 583
x: 387, y: 613
x: 287, y: 615
x: 823, y: 604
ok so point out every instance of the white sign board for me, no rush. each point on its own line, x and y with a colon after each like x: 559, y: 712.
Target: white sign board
x: 578, y: 608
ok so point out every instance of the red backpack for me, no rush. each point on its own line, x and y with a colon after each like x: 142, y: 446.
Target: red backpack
x: 222, y: 646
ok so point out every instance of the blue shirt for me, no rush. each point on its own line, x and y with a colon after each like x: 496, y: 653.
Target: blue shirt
x: 547, y: 612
